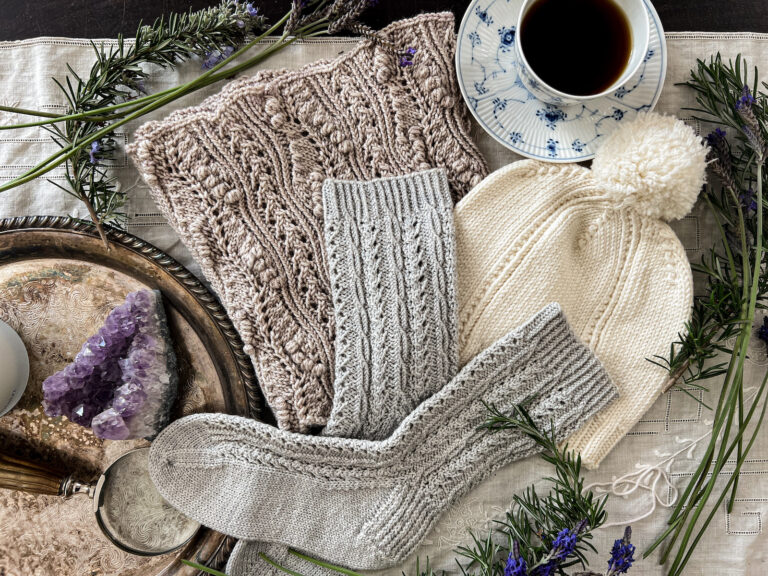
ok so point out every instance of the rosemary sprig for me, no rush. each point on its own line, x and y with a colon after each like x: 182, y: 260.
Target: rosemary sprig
x: 540, y: 537
x: 737, y: 281
x: 532, y: 525
x: 116, y: 77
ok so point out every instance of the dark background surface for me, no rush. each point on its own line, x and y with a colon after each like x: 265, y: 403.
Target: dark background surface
x: 106, y: 18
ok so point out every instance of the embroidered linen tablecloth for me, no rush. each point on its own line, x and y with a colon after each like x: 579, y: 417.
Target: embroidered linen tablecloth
x: 643, y: 473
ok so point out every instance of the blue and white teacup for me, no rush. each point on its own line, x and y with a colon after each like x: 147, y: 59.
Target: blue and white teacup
x: 639, y: 24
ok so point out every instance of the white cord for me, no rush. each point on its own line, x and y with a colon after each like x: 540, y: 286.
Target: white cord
x: 647, y: 477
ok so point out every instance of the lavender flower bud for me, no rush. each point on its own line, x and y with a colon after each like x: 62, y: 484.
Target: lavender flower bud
x: 581, y: 526
x: 406, y: 57
x: 746, y: 100
x: 755, y: 138
x: 622, y: 554
x: 751, y: 126
x: 213, y: 58
x: 516, y: 565
x: 347, y: 14
x: 720, y: 157
x: 748, y: 200
x: 94, y: 152
x: 564, y: 544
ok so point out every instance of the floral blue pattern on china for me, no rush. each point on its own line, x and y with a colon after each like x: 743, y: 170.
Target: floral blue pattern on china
x: 489, y: 79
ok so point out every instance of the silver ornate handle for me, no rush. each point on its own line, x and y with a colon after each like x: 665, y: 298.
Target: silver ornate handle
x: 70, y: 487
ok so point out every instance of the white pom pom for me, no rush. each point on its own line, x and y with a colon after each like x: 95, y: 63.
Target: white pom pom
x: 655, y: 163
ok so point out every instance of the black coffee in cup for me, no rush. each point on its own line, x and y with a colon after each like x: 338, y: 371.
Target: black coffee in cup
x: 579, y: 47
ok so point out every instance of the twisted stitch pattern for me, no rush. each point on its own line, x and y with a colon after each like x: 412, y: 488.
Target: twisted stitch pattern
x: 240, y: 179
x: 392, y: 260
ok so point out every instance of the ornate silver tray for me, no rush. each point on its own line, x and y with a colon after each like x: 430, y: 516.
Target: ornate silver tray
x: 57, y: 284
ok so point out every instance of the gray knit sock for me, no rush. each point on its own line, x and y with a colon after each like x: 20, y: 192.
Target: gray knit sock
x: 392, y: 265
x: 368, y: 504
x: 391, y: 254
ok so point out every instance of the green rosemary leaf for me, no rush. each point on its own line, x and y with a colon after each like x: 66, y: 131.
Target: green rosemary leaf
x: 203, y: 568
x: 534, y: 521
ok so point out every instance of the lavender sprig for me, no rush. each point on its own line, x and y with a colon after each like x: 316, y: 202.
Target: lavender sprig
x: 720, y: 157
x: 117, y: 76
x: 737, y: 285
x: 340, y: 14
x: 516, y: 564
x: 213, y: 57
x: 622, y: 554
x: 751, y: 127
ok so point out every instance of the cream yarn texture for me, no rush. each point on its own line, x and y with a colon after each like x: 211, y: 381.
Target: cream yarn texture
x: 655, y: 166
x: 532, y: 233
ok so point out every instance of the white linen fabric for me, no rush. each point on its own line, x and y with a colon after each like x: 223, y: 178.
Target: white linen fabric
x: 648, y: 466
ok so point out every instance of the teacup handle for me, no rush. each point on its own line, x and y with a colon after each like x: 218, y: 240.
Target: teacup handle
x: 34, y: 478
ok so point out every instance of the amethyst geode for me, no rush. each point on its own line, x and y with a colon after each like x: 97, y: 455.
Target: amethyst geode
x: 123, y: 381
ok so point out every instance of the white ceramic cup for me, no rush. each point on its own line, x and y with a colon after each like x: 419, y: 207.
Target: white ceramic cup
x: 639, y: 24
x: 14, y: 368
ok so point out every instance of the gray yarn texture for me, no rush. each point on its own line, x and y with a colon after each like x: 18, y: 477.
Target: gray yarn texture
x: 392, y: 260
x: 367, y: 504
x: 246, y: 560
x: 391, y: 254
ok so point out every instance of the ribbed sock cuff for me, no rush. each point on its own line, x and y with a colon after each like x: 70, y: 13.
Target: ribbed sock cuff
x: 397, y: 195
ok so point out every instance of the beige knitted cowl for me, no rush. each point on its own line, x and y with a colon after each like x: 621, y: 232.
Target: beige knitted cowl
x: 239, y: 177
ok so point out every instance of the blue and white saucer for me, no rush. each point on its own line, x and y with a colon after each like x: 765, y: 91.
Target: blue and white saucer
x: 486, y: 67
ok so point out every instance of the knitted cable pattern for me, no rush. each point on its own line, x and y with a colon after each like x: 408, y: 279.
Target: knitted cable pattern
x: 368, y: 504
x: 240, y: 179
x: 391, y: 252
x: 392, y: 261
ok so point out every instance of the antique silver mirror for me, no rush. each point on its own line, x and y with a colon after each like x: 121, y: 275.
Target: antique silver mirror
x: 128, y: 508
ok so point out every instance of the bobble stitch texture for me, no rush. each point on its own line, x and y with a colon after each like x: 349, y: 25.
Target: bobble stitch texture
x: 250, y: 163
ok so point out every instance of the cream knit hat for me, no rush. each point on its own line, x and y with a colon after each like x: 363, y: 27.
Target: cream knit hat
x: 596, y: 242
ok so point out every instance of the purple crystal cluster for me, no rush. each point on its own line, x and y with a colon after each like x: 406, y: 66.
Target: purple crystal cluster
x: 123, y: 381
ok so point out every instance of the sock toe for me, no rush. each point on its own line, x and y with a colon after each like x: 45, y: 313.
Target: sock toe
x: 183, y: 463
